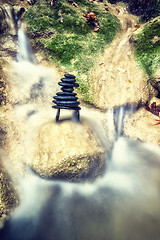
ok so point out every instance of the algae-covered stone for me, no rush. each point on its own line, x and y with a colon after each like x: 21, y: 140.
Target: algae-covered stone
x: 67, y: 150
x: 147, y: 47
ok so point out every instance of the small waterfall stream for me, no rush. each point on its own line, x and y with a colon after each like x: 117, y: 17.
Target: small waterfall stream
x: 123, y: 204
x: 25, y: 51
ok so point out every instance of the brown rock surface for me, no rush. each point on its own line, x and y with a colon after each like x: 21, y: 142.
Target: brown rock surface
x: 117, y: 78
x: 142, y: 126
x: 8, y: 196
x: 157, y: 74
x: 68, y: 150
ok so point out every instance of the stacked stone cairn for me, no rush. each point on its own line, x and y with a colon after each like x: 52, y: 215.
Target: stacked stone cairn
x: 67, y: 98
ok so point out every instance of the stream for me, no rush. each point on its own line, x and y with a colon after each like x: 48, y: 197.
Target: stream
x: 123, y: 204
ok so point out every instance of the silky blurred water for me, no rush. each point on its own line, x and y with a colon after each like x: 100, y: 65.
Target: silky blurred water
x: 123, y: 204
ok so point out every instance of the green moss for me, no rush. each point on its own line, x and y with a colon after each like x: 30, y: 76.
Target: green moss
x: 62, y: 48
x: 147, y: 46
x: 73, y: 45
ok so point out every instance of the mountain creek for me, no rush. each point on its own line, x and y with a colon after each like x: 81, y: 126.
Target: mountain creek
x: 69, y: 150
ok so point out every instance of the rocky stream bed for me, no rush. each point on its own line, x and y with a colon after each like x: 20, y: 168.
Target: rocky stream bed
x: 77, y: 152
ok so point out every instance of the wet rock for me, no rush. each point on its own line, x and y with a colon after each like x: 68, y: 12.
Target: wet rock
x: 17, y: 13
x: 8, y: 195
x: 3, y: 22
x: 157, y: 75
x: 66, y: 150
x: 3, y: 134
x: 142, y: 125
x: 3, y: 84
x: 7, y: 24
x: 155, y: 83
x: 8, y: 34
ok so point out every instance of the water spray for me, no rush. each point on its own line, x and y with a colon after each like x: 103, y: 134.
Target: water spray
x: 67, y: 98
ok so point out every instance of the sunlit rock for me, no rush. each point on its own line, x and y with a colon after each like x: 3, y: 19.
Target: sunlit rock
x: 117, y: 79
x: 66, y: 150
x: 142, y: 126
x: 157, y: 75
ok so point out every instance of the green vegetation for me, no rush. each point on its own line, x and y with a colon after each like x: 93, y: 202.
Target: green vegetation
x: 70, y: 42
x: 147, y: 46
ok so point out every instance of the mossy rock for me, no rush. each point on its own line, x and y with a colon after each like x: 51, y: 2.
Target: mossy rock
x: 147, y: 46
x: 67, y: 40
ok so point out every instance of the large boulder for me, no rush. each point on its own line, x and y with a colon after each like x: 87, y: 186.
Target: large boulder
x: 66, y: 150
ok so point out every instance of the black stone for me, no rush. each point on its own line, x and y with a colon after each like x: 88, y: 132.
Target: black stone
x: 69, y: 76
x: 66, y: 94
x: 64, y: 89
x: 65, y: 107
x: 66, y: 103
x: 68, y: 80
x: 66, y: 99
x: 68, y: 84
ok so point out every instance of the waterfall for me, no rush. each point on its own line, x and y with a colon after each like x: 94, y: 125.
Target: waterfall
x: 25, y: 51
x: 120, y: 113
x: 116, y: 118
x: 37, y: 83
x: 122, y: 204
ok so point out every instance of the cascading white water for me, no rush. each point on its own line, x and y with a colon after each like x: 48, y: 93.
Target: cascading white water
x: 124, y: 204
x: 25, y: 51
x: 116, y: 118
x: 119, y: 115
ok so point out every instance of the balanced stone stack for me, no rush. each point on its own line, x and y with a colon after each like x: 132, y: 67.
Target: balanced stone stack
x: 67, y: 98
